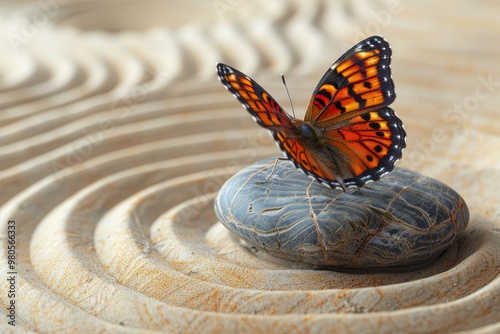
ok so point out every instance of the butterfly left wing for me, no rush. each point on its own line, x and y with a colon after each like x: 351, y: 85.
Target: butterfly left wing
x: 268, y: 113
x: 259, y: 103
x: 359, y: 81
x: 306, y: 160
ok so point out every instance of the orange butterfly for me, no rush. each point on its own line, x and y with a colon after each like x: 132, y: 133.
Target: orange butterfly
x: 348, y: 136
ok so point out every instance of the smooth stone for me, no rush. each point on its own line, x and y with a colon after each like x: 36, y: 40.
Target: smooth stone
x: 404, y: 219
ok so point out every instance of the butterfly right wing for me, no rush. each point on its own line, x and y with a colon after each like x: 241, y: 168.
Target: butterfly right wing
x: 259, y: 103
x: 358, y: 82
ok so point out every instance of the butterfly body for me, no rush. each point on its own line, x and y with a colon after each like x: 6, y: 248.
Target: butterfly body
x: 348, y: 136
x: 329, y: 160
x: 307, y: 134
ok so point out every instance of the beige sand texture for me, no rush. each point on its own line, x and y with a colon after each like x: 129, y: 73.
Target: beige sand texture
x: 116, y: 135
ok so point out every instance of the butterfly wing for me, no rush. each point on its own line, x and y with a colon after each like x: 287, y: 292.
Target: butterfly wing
x: 259, y: 103
x: 268, y: 113
x: 303, y: 158
x: 359, y: 81
x: 364, y: 138
x: 367, y: 147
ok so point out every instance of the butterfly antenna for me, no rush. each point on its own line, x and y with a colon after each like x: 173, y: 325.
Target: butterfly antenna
x: 288, y: 93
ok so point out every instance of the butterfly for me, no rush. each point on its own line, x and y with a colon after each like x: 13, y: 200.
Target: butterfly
x: 349, y: 135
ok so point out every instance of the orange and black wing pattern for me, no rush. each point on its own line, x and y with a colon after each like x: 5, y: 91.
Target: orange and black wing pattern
x: 267, y: 112
x: 359, y: 81
x: 371, y: 143
x: 259, y: 103
x: 349, y: 109
x: 303, y: 158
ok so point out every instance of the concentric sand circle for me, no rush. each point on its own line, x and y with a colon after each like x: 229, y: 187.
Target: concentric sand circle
x: 116, y: 136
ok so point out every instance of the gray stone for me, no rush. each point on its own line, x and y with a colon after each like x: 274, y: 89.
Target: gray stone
x: 404, y: 219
